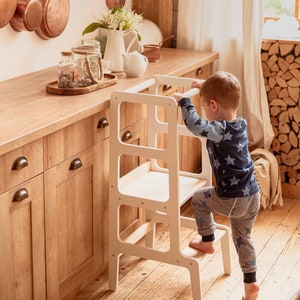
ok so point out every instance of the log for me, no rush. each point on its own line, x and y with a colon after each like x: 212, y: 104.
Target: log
x: 296, y: 114
x: 287, y: 75
x: 295, y: 126
x: 264, y: 56
x: 274, y: 49
x: 290, y: 159
x: 296, y: 74
x: 272, y: 61
x: 294, y: 93
x: 293, y: 139
x: 286, y: 48
x: 284, y: 117
x: 278, y: 102
x: 283, y: 127
x: 289, y: 101
x: 285, y: 147
x: 275, y: 145
x: 283, y: 64
x: 281, y: 82
x: 282, y: 138
x: 274, y: 111
x: 290, y: 58
x: 293, y: 82
x: 272, y: 94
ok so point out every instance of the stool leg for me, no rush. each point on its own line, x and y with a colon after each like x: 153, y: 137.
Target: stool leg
x: 194, y: 269
x: 226, y: 253
x: 113, y: 271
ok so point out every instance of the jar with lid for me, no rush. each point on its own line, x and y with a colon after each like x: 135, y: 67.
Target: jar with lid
x: 67, y: 71
x: 92, y: 43
x: 89, y: 65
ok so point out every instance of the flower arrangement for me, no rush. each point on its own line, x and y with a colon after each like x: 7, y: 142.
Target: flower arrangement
x: 118, y: 19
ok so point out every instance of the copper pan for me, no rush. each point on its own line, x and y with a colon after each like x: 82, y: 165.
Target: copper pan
x: 7, y: 10
x: 28, y: 15
x: 55, y: 18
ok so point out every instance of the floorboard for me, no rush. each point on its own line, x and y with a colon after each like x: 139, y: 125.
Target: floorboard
x: 276, y: 236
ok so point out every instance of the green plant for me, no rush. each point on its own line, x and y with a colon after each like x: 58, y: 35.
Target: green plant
x: 118, y: 19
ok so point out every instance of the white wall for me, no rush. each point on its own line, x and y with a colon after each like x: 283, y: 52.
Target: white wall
x: 24, y: 52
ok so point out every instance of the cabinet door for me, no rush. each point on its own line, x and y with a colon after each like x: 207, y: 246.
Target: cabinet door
x: 73, y: 223
x: 22, y: 259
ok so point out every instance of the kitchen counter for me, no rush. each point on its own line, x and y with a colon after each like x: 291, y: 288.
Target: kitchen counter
x: 28, y: 112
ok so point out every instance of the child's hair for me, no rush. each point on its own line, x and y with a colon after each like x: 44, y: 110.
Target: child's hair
x: 222, y: 87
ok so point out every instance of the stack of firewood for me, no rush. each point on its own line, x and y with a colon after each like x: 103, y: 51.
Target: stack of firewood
x: 281, y: 69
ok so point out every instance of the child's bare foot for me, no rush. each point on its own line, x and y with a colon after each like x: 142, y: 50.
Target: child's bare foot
x: 251, y: 291
x: 198, y: 244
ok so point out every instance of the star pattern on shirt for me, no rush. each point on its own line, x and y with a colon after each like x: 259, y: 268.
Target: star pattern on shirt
x: 234, y: 180
x: 230, y: 160
x: 246, y: 191
x: 228, y: 136
x: 240, y: 147
x: 216, y: 164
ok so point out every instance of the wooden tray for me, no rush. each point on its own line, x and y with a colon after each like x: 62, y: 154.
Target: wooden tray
x: 109, y: 79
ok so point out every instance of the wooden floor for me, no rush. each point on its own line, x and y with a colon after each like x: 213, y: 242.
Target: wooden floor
x: 277, y: 240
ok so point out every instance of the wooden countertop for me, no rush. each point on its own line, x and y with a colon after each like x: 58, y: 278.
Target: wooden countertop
x: 28, y: 112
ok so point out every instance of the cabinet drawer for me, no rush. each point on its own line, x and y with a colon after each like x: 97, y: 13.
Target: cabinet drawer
x: 200, y: 73
x: 66, y: 142
x: 21, y: 164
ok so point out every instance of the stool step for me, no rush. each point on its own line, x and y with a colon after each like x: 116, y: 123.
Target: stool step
x: 193, y: 253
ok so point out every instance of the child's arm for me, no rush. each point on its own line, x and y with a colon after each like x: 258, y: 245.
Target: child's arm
x: 177, y: 96
x: 195, y: 84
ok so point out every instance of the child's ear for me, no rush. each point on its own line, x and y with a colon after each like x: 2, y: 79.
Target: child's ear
x: 214, y: 104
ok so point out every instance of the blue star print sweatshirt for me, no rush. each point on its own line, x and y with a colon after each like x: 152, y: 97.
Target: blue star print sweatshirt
x: 227, y: 145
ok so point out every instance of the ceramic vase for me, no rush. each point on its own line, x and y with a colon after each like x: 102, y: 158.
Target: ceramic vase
x: 114, y: 49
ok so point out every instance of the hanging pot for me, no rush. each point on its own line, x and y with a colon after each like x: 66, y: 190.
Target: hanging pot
x: 7, y: 10
x: 28, y: 15
x: 55, y: 18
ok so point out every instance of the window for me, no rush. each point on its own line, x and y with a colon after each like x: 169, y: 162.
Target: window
x: 275, y: 9
x: 282, y: 19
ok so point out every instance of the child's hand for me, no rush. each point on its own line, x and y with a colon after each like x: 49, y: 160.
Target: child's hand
x: 177, y: 96
x: 198, y: 83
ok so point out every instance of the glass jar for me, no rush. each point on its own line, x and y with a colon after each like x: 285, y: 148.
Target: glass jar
x: 67, y: 71
x: 89, y: 65
x: 93, y: 43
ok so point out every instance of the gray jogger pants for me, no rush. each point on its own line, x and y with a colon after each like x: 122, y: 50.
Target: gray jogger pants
x: 242, y: 213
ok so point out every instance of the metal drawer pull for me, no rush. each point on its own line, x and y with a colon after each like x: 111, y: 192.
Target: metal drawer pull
x: 126, y: 136
x: 75, y: 164
x: 19, y: 163
x: 20, y: 195
x: 103, y: 123
x: 166, y: 87
x: 199, y: 72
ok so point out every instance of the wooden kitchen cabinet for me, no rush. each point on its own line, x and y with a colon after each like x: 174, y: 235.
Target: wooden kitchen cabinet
x: 22, y: 248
